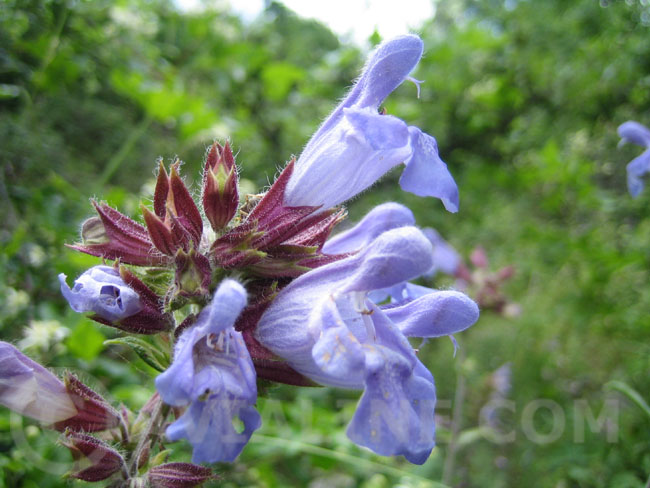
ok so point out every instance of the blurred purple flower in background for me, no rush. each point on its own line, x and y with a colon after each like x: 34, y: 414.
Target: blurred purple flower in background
x: 445, y: 258
x: 636, y: 133
x: 29, y: 389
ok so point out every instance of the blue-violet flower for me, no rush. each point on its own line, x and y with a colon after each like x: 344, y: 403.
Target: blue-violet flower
x: 381, y: 219
x: 356, y: 145
x: 213, y: 373
x: 101, y: 290
x: 326, y: 328
x: 636, y: 133
x: 28, y: 388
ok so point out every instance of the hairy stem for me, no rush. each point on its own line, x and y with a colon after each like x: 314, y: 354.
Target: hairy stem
x: 150, y: 433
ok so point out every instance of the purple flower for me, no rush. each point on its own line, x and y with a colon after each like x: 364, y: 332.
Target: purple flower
x: 28, y: 388
x: 381, y: 219
x: 445, y: 258
x: 356, y: 145
x: 636, y: 133
x: 326, y: 328
x: 213, y: 373
x: 103, y: 291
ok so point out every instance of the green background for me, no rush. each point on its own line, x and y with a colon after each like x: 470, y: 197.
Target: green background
x: 524, y: 98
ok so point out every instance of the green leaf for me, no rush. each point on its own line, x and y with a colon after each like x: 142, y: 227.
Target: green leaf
x: 9, y: 91
x: 85, y: 341
x: 279, y: 78
x: 149, y: 353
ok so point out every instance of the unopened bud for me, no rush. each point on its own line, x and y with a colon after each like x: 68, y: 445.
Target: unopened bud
x: 220, y: 186
x: 479, y: 257
x: 113, y: 235
x: 193, y: 273
x: 161, y: 233
x: 94, y: 459
x: 179, y: 475
x: 174, y: 206
x: 94, y: 413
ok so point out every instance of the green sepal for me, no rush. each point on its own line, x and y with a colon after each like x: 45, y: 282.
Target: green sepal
x: 159, y: 458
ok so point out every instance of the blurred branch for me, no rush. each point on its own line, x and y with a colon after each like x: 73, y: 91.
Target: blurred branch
x: 56, y: 39
x: 631, y: 393
x: 116, y: 161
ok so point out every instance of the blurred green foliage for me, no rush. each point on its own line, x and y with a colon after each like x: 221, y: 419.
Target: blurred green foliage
x: 524, y: 98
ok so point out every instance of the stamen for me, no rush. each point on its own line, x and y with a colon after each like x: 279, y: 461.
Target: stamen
x: 370, y: 326
x: 416, y: 83
x: 222, y: 339
x: 455, y: 343
x: 359, y: 301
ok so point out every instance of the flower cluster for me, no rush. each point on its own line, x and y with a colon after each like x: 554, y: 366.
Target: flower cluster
x: 269, y: 295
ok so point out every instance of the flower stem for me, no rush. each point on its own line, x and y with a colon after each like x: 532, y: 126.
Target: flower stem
x: 151, y: 432
x: 459, y: 398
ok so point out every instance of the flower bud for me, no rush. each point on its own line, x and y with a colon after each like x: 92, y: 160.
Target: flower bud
x: 167, y: 238
x: 193, y: 274
x: 113, y: 235
x: 179, y: 475
x: 220, y: 192
x: 94, y: 413
x: 174, y: 206
x: 94, y: 459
